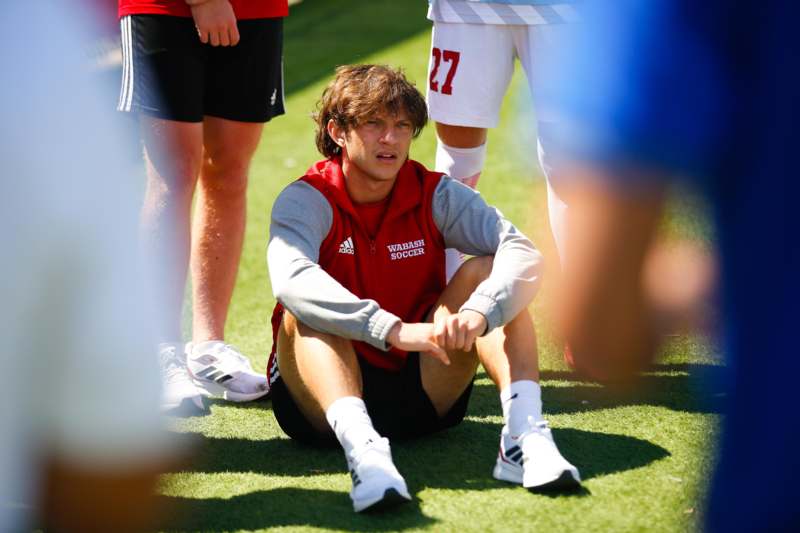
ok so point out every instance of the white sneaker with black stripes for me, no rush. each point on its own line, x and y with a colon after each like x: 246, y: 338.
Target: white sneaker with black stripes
x: 533, y: 460
x: 222, y: 371
x: 180, y: 395
x: 377, y: 485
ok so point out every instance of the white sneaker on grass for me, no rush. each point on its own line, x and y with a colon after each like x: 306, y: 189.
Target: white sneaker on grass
x: 377, y: 485
x: 180, y: 394
x: 533, y: 460
x: 222, y: 371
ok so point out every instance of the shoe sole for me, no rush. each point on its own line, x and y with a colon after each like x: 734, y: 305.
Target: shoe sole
x: 391, y: 498
x: 187, y: 407
x: 506, y: 473
x: 215, y: 389
x: 565, y: 482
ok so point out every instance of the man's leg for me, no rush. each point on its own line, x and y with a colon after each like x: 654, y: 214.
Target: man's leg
x: 172, y: 151
x: 317, y: 368
x: 219, y: 221
x: 217, y: 237
x: 528, y: 453
x: 469, y: 72
x: 444, y: 384
x: 509, y: 356
x: 532, y: 44
x: 460, y: 153
x: 323, y: 377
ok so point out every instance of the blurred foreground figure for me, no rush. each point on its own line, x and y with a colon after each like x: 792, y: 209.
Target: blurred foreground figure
x: 82, y: 442
x: 658, y: 89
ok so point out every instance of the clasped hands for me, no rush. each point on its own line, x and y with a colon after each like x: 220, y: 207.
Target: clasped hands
x: 452, y: 332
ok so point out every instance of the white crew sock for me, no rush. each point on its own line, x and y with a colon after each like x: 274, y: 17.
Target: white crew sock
x: 464, y: 165
x: 520, y: 400
x: 556, y: 207
x: 350, y: 422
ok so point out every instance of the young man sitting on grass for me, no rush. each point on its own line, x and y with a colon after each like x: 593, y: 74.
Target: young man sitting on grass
x: 370, y: 340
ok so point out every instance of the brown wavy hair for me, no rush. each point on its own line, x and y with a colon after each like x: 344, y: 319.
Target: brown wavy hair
x: 362, y: 91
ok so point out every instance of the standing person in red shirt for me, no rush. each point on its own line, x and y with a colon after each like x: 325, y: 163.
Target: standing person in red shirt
x: 371, y: 341
x: 203, y: 77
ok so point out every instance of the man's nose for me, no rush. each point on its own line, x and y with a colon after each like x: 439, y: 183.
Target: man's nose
x: 389, y: 135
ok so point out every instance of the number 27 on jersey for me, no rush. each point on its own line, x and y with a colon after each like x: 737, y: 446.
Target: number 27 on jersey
x: 447, y: 56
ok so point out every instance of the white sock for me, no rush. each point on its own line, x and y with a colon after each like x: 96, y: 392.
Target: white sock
x: 350, y: 422
x: 464, y: 165
x: 556, y: 207
x: 520, y: 400
x: 557, y: 212
x: 453, y: 259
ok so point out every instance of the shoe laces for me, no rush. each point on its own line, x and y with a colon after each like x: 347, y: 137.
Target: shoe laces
x: 538, y: 427
x: 226, y: 354
x: 380, y: 446
x: 234, y: 352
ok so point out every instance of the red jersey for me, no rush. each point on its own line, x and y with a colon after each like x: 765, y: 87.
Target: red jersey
x: 400, y: 265
x: 244, y: 9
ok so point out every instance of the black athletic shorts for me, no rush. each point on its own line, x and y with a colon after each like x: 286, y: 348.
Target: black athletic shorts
x: 168, y: 73
x: 396, y: 403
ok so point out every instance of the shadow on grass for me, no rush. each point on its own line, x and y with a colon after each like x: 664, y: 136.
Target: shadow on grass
x: 685, y: 387
x: 459, y: 458
x: 320, y: 35
x: 281, y: 457
x: 463, y: 457
x: 286, y: 507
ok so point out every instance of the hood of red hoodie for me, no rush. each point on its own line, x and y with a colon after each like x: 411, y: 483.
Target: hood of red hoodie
x: 406, y: 193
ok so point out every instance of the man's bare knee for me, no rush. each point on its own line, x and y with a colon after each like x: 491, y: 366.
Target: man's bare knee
x: 317, y: 368
x: 464, y: 359
x: 475, y: 270
x: 464, y: 282
x: 444, y: 384
x: 460, y: 136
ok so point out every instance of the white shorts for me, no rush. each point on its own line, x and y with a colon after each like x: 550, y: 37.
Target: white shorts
x: 471, y: 66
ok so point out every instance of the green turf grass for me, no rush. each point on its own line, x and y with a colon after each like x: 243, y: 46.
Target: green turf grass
x: 644, y: 455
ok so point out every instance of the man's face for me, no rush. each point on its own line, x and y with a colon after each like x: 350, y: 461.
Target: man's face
x: 377, y: 148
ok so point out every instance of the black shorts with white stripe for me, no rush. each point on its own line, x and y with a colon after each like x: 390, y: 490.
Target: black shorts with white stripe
x: 168, y: 73
x: 396, y: 402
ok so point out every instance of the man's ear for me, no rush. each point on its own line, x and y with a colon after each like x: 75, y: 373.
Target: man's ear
x: 336, y: 133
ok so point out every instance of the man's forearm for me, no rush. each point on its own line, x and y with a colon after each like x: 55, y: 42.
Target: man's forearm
x: 473, y: 227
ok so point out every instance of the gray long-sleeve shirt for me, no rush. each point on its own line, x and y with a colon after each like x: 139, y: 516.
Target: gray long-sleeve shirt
x: 302, y: 218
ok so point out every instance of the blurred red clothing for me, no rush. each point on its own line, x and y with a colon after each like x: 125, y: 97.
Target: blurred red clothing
x: 244, y: 9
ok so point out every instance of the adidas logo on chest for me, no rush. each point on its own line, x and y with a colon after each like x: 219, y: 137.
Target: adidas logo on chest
x: 347, y: 247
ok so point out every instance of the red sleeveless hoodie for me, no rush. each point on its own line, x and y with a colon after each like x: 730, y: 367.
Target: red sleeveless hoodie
x: 402, y: 266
